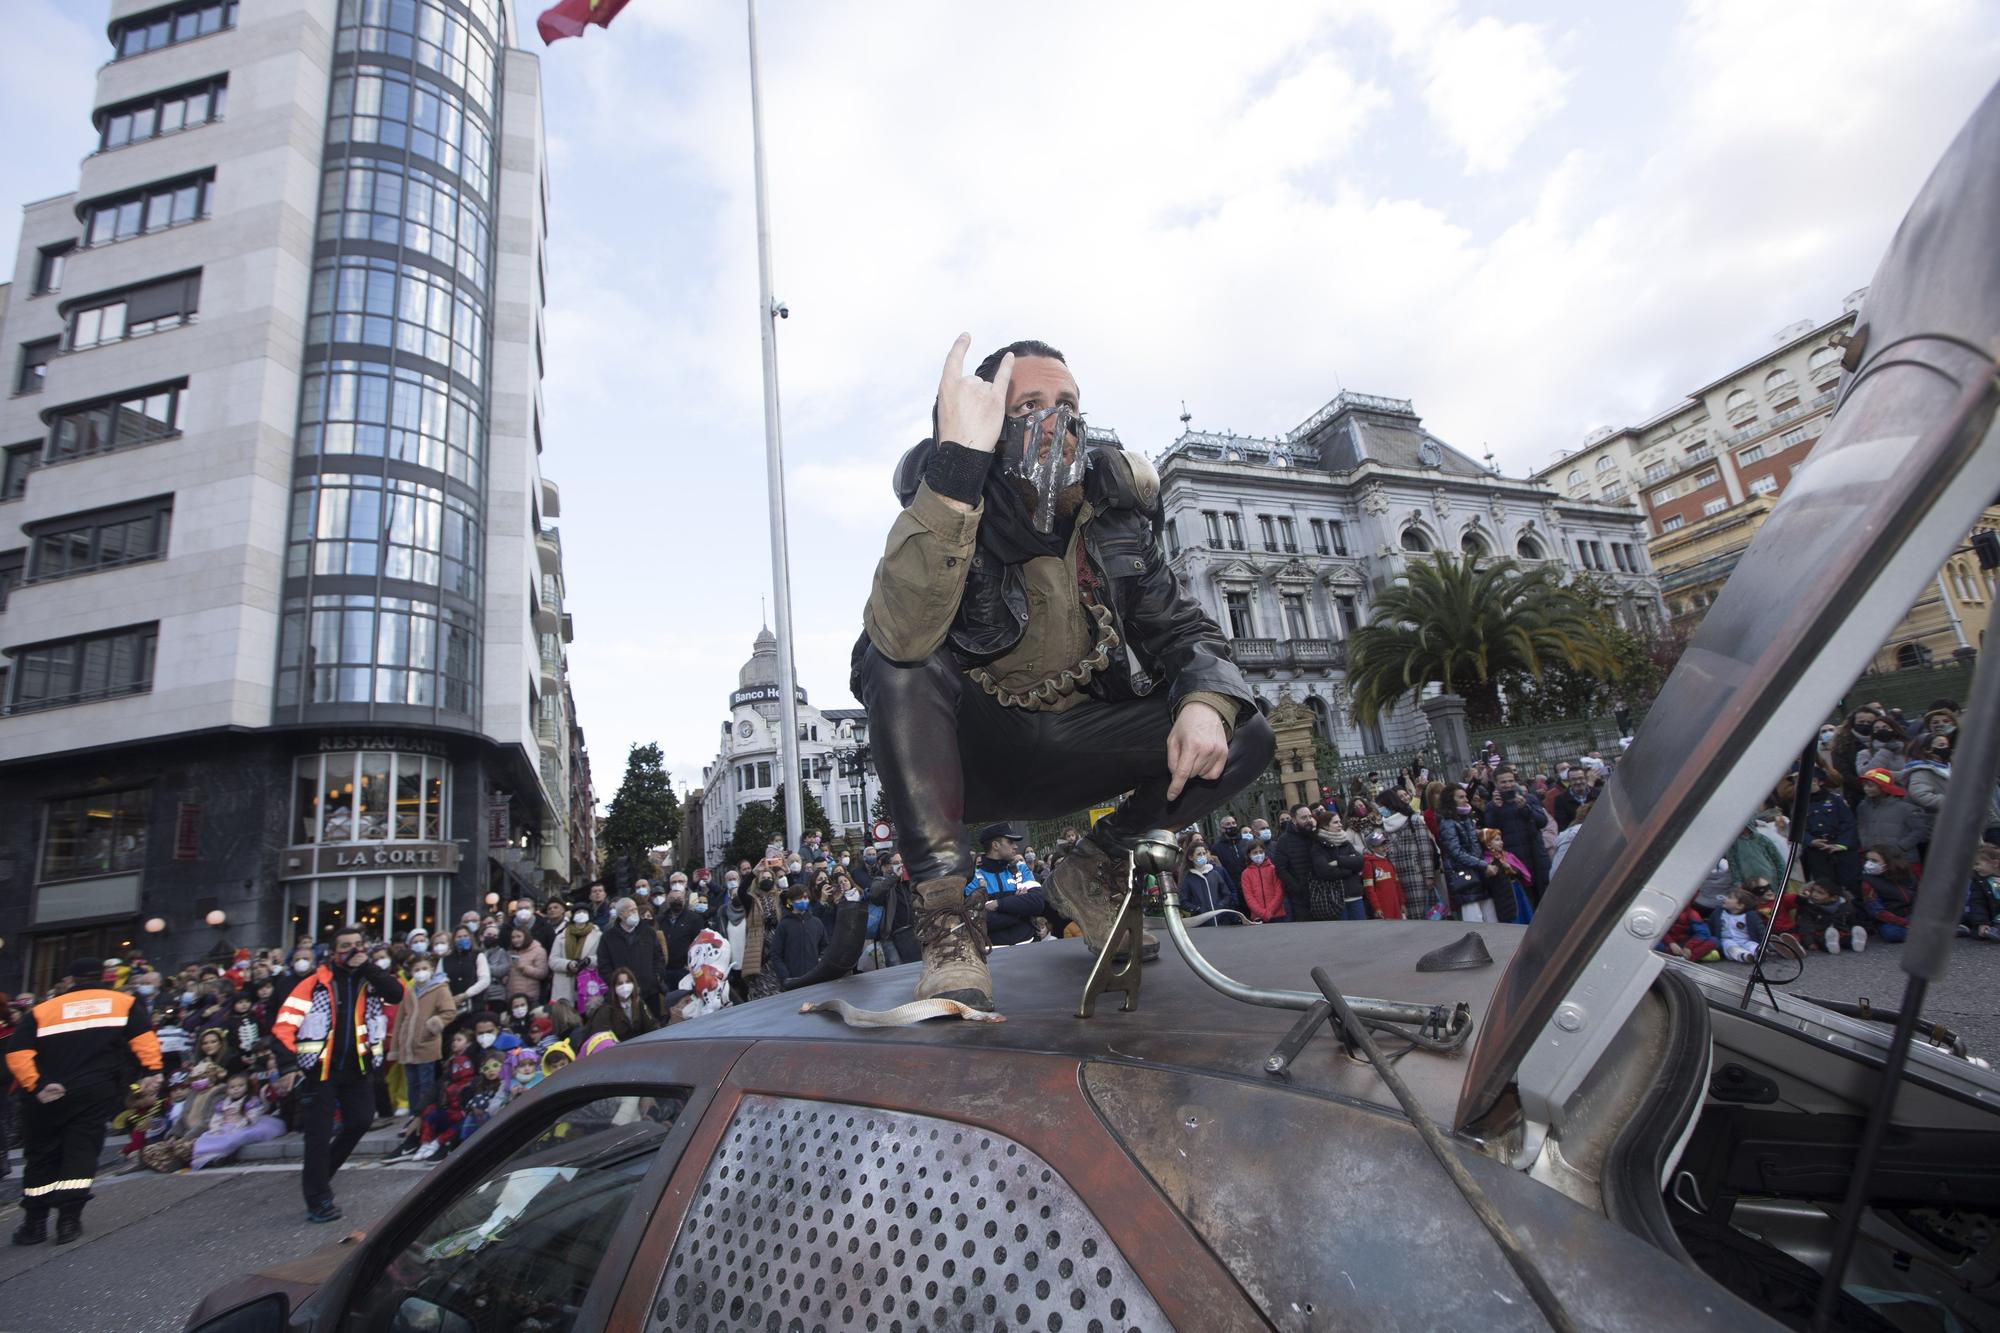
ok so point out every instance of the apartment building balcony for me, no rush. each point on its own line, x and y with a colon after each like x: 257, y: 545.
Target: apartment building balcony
x: 1771, y: 423
x: 548, y: 546
x: 1257, y: 652
x: 1321, y: 654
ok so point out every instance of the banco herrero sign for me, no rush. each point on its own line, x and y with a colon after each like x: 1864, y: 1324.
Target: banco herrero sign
x: 353, y: 859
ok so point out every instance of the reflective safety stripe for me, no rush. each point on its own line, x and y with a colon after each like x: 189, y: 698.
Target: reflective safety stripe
x: 39, y: 1190
x: 79, y: 1024
x: 295, y: 1003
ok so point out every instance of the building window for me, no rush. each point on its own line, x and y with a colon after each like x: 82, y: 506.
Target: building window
x: 1339, y: 531
x: 354, y: 523
x: 358, y: 407
x: 1764, y: 486
x: 74, y: 671
x: 1415, y: 540
x: 126, y: 535
x: 1823, y: 364
x: 166, y: 304
x: 1781, y: 384
x: 1575, y: 477
x: 1708, y: 478
x: 1796, y: 435
x: 1173, y: 538
x: 1298, y: 624
x: 50, y: 261
x: 1529, y: 549
x: 34, y: 369
x: 1319, y: 537
x: 1714, y: 507
x: 13, y: 564
x: 103, y: 833
x: 110, y: 424
x: 361, y: 648
x: 1740, y: 406
x: 155, y: 208
x: 406, y: 306
x: 14, y: 469
x: 763, y: 773
x: 1288, y: 533
x: 1754, y: 453
x: 1659, y: 471
x: 1605, y: 463
x: 1618, y: 558
x: 1350, y: 613
x: 399, y: 204
x: 1269, y: 531
x: 1212, y: 521
x: 1673, y: 524
x: 149, y: 117
x: 1615, y: 491
x: 168, y: 26
x: 1474, y: 545
x: 369, y: 796
x: 1242, y: 625
x: 1665, y: 496
x: 387, y: 107
x: 1235, y: 522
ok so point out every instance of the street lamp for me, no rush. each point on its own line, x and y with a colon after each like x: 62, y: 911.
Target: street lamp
x: 155, y: 925
x: 217, y: 917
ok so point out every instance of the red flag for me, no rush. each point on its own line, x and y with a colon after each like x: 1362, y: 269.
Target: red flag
x: 571, y: 17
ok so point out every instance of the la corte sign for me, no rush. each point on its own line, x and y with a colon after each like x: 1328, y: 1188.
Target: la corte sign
x: 350, y: 858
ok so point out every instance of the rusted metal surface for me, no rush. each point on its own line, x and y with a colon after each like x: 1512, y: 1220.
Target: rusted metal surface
x: 1334, y: 1216
x: 1183, y: 1023
x: 1903, y: 471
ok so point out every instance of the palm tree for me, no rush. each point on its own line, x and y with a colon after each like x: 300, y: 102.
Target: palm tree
x: 1463, y: 621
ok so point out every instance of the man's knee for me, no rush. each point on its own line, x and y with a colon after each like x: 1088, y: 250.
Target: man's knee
x: 1253, y: 747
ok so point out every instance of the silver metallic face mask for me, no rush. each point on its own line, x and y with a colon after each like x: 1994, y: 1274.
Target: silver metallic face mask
x: 1044, y: 449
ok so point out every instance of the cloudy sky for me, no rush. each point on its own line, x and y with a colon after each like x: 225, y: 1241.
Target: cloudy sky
x: 1530, y: 219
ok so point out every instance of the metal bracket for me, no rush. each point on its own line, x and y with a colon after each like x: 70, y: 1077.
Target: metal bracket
x: 1279, y: 1063
x: 1109, y: 975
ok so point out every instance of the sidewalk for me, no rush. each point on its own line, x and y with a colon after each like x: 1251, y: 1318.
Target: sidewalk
x: 376, y: 1143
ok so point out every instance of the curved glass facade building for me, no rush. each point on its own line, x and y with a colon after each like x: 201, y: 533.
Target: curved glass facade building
x: 382, y: 615
x: 281, y: 606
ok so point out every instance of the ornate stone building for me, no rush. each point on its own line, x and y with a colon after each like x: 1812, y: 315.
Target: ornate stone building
x: 1287, y: 541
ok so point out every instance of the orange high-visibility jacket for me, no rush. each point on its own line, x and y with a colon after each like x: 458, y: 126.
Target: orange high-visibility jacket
x: 80, y: 1036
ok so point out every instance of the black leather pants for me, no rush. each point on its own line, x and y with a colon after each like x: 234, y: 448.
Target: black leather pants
x: 949, y: 754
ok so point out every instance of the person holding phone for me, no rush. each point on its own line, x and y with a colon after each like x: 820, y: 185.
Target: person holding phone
x: 335, y: 1025
x: 1520, y: 821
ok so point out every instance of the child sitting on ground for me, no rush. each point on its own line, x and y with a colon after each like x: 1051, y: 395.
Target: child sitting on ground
x: 237, y: 1117
x: 442, y: 1116
x: 483, y: 1100
x: 1888, y: 890
x: 1981, y: 917
x: 1825, y: 914
x: 1737, y: 926
x: 1689, y: 937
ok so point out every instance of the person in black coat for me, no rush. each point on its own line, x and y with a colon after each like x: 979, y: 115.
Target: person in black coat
x: 1229, y: 852
x: 891, y: 893
x: 679, y: 924
x: 802, y: 937
x: 1520, y: 819
x: 630, y: 943
x: 1292, y: 854
x: 1336, y: 860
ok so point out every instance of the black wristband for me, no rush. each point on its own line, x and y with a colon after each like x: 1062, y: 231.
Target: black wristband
x: 958, y: 473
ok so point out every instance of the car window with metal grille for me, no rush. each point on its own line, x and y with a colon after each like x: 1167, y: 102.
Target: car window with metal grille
x: 520, y: 1247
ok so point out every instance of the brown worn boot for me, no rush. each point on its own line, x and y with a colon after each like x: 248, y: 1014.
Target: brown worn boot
x: 951, y: 930
x: 1087, y: 886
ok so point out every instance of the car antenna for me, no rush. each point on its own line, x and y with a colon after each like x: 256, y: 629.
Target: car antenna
x: 1532, y: 1278
x: 1801, y: 807
x: 1927, y: 951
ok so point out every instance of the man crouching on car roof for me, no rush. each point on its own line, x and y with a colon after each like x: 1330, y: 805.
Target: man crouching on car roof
x: 1028, y: 652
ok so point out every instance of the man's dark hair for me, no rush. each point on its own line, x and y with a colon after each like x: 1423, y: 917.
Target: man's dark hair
x: 486, y: 1016
x: 1026, y: 347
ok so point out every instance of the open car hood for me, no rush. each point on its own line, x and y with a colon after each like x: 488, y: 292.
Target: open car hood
x: 1907, y: 464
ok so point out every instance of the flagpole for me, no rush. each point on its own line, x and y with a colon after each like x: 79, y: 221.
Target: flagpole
x: 774, y: 457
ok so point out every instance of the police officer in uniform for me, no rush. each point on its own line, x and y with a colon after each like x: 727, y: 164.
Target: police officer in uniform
x: 72, y: 1055
x: 1013, y: 895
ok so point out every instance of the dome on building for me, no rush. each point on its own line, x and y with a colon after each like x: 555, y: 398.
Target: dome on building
x: 762, y: 668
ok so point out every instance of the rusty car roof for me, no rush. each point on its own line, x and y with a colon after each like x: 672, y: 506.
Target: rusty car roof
x: 1180, y: 1021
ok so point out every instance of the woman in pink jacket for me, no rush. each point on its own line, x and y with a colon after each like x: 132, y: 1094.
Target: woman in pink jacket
x: 528, y: 965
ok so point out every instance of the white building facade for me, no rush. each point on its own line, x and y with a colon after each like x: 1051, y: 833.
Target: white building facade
x: 281, y: 620
x: 833, y: 757
x: 1287, y: 541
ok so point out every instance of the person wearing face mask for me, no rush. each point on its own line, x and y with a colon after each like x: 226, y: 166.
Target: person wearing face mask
x: 635, y: 946
x: 1407, y: 845
x: 335, y: 1025
x: 678, y: 924
x: 732, y: 923
x: 493, y: 948
x: 464, y: 966
x: 575, y: 953
x: 1885, y: 816
x: 1520, y: 819
x: 800, y: 939
x: 1831, y: 841
x: 1204, y: 886
x: 1292, y: 853
x: 519, y: 1016
x: 416, y: 1041
x: 1263, y: 896
x: 1467, y: 874
x: 1927, y: 778
x: 625, y: 1012
x: 1335, y: 891
x: 1230, y: 845
x: 527, y: 967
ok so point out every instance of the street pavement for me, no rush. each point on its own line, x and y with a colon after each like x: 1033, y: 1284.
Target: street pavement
x: 1966, y: 1001
x: 152, y: 1245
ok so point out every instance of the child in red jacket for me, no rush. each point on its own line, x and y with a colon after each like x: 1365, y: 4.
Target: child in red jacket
x: 1263, y: 895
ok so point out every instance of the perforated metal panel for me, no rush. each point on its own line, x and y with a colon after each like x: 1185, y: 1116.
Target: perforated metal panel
x: 817, y: 1217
